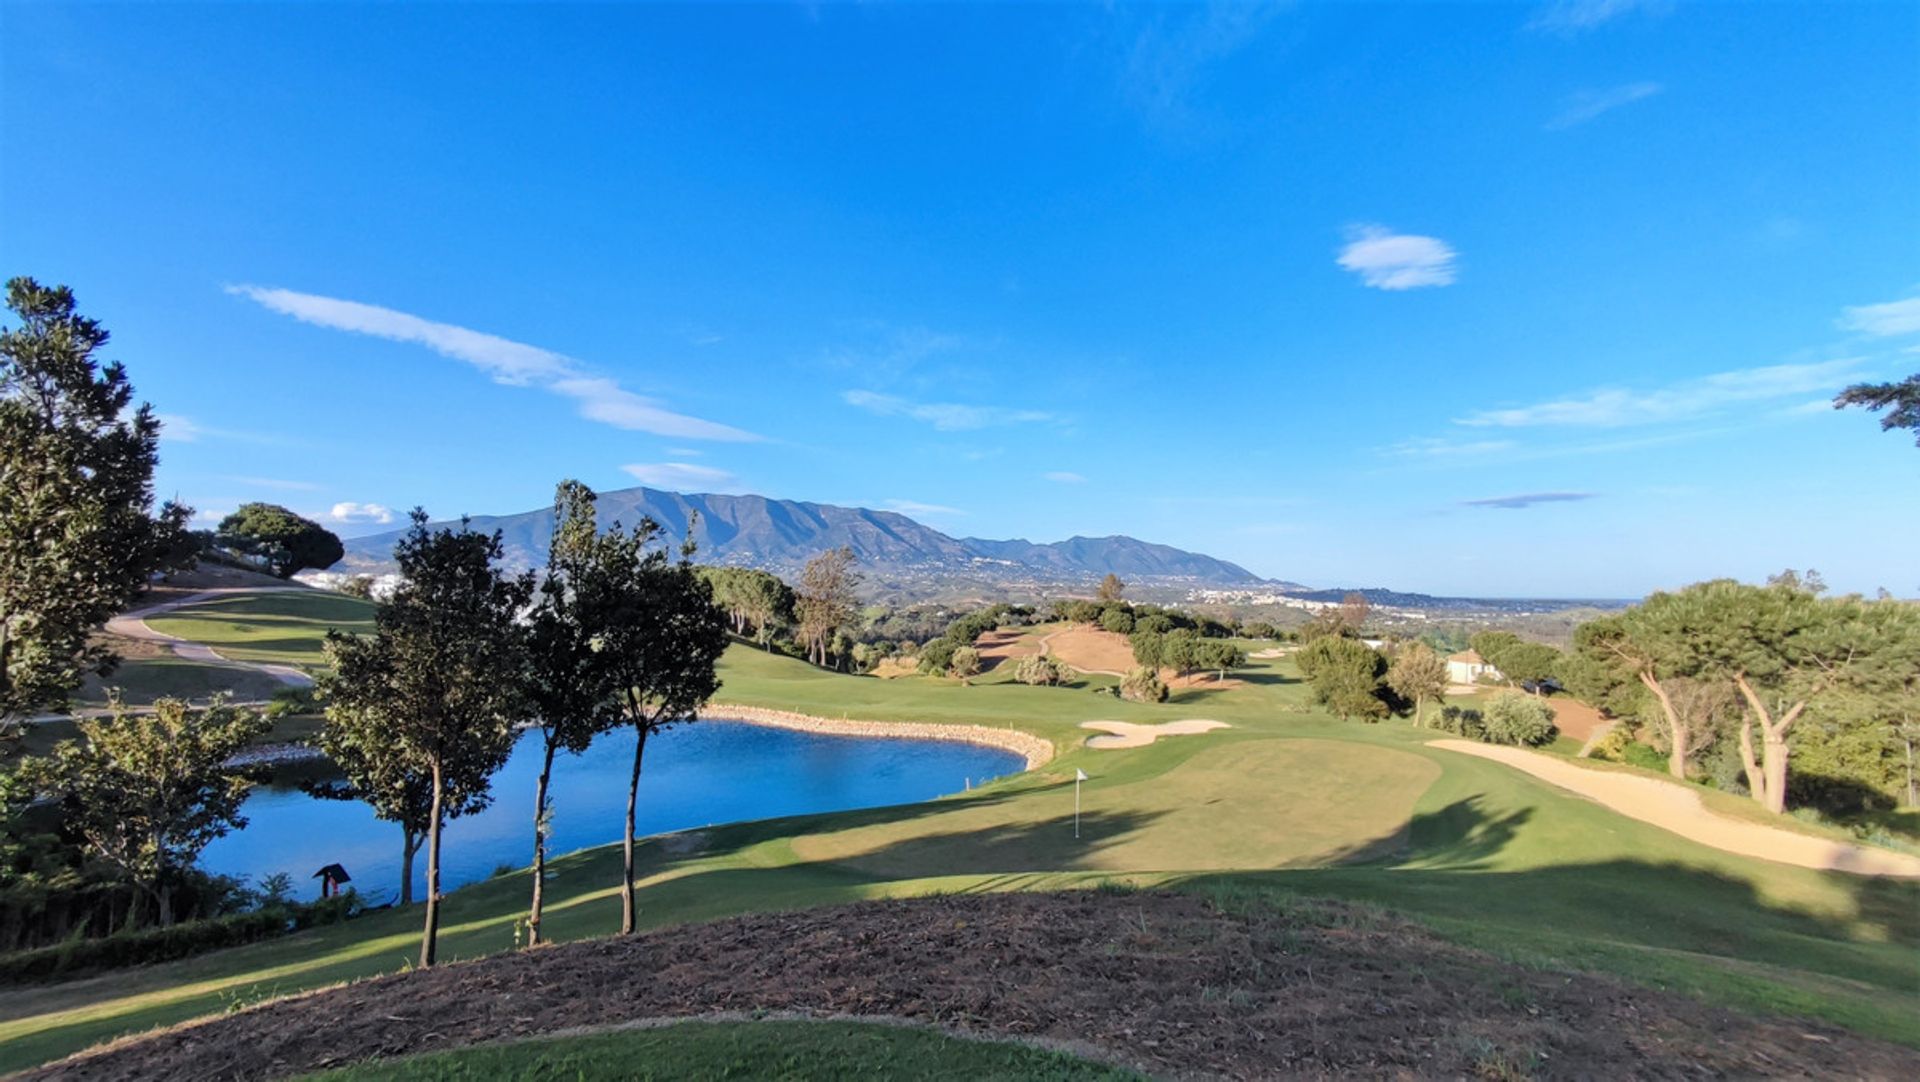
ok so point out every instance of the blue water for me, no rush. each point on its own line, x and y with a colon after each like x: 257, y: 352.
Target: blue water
x: 696, y: 775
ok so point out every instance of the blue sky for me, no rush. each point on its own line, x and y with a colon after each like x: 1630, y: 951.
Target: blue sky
x: 1524, y: 300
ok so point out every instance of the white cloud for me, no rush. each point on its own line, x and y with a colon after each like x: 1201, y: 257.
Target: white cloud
x: 1440, y: 447
x: 1616, y: 407
x: 1064, y: 477
x: 914, y: 507
x: 351, y: 513
x: 1387, y: 260
x: 945, y: 416
x: 1571, y: 17
x: 513, y: 363
x: 681, y: 475
x: 177, y: 429
x: 1883, y: 320
x: 1587, y: 104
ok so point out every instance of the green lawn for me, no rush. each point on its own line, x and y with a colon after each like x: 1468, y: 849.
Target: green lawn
x: 276, y: 627
x: 788, y: 1050
x: 1288, y: 802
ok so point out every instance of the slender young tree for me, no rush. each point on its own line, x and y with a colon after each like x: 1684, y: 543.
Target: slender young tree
x: 569, y: 683
x: 1417, y: 674
x: 661, y: 637
x: 825, y: 601
x: 149, y: 790
x: 438, y: 680
x: 79, y: 539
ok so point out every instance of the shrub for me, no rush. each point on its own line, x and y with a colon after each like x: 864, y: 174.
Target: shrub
x: 1118, y: 621
x: 1612, y: 746
x: 1143, y: 686
x: 937, y: 655
x: 1462, y: 721
x: 965, y: 662
x: 1520, y: 720
x: 1040, y: 671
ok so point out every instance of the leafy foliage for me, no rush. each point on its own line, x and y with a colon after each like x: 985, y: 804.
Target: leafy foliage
x: 1416, y: 675
x: 285, y: 541
x: 824, y: 603
x: 1347, y: 677
x: 78, y: 536
x: 1040, y: 671
x: 1143, y: 685
x: 1901, y: 401
x: 1520, y: 720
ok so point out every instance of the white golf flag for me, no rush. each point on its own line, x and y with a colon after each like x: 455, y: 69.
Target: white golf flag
x: 1079, y: 775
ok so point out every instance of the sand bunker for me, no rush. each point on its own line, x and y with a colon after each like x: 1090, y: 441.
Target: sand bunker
x: 1126, y: 734
x: 1673, y: 807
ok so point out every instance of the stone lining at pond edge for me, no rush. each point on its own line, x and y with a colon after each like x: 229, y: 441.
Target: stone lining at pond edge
x: 1036, y: 751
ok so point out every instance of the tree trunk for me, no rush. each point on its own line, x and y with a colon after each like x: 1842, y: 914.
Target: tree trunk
x: 1774, y: 763
x: 539, y: 846
x: 629, y: 916
x: 409, y: 848
x: 1419, y: 712
x: 163, y: 904
x: 1756, y: 780
x: 429, y: 938
x: 1773, y: 747
x: 1676, y: 729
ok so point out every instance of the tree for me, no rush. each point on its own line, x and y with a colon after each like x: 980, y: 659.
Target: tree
x: 569, y: 684
x: 1520, y: 720
x: 148, y: 791
x: 79, y: 539
x: 1143, y: 685
x: 436, y: 689
x: 1354, y: 609
x: 1111, y: 587
x: 286, y: 541
x: 1040, y: 670
x: 825, y: 600
x: 1901, y: 400
x: 661, y: 638
x: 1417, y: 674
x: 964, y: 664
x: 1346, y: 675
x: 1117, y: 620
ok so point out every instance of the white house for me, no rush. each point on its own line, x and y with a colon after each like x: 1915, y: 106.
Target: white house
x: 1467, y: 667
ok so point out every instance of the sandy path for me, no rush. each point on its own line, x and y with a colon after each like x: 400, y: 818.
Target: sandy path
x: 1675, y: 808
x: 1126, y: 734
x: 133, y: 625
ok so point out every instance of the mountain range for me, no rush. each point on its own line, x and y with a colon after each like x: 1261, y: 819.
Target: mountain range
x: 781, y: 535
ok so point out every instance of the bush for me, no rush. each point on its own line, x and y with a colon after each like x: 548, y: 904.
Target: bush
x: 289, y: 701
x: 1613, y: 746
x: 1143, y: 686
x: 1462, y: 721
x: 965, y: 663
x: 937, y: 656
x: 1118, y: 621
x: 1520, y: 720
x: 1040, y: 671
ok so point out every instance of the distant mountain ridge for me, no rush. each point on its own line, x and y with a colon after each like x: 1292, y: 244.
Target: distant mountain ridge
x: 781, y: 535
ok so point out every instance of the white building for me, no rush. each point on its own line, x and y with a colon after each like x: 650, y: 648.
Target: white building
x: 1467, y: 667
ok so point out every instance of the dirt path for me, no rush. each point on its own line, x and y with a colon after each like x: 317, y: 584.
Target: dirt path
x: 1674, y: 807
x: 133, y: 625
x: 1161, y: 981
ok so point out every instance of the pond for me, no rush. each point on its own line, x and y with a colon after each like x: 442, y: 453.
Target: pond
x: 695, y: 775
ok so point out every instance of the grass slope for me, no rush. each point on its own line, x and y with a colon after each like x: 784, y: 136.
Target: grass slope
x: 699, y: 1051
x: 279, y: 628
x: 1286, y: 803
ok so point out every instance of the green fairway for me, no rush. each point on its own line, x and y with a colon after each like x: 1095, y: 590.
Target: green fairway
x: 1287, y: 802
x: 285, y: 627
x: 792, y: 1050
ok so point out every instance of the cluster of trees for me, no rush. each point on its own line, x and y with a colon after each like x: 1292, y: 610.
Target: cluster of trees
x: 953, y: 653
x: 1184, y: 651
x: 1125, y: 618
x: 1511, y: 718
x: 758, y: 605
x: 425, y: 710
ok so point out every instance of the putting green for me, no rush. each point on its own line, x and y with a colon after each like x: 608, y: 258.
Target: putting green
x: 1264, y: 804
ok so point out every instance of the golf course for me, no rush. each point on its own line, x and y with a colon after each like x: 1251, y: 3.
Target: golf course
x: 1280, y: 810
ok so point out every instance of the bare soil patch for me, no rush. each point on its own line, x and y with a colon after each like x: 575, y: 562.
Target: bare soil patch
x: 1004, y: 644
x: 1575, y: 718
x: 1092, y: 649
x: 1165, y: 982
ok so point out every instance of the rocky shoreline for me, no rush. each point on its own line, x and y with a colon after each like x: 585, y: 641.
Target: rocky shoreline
x: 1036, y: 751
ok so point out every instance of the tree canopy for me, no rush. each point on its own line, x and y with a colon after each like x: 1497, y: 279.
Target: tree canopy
x: 79, y: 539
x: 287, y: 542
x: 1901, y: 401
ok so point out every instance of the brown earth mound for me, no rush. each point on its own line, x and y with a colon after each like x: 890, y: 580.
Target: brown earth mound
x: 1164, y: 981
x: 1092, y: 649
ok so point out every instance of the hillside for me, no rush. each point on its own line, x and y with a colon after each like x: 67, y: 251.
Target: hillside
x: 780, y: 535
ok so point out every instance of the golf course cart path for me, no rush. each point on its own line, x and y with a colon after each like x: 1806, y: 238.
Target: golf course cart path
x: 1675, y: 808
x: 1127, y: 734
x: 1164, y: 981
x: 133, y: 625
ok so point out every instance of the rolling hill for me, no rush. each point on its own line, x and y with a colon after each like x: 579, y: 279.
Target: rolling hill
x: 780, y: 535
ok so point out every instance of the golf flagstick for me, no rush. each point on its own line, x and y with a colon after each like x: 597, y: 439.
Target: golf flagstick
x: 1078, y: 777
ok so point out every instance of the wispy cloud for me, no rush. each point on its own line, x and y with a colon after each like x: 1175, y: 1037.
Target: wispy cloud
x: 1526, y: 500
x: 350, y: 513
x: 1617, y: 407
x: 945, y: 416
x: 888, y: 351
x: 1569, y: 17
x: 506, y: 361
x: 1441, y: 447
x: 681, y: 475
x: 915, y: 507
x: 1064, y: 477
x: 1587, y: 104
x: 1387, y: 260
x: 1883, y: 320
x: 1166, y: 60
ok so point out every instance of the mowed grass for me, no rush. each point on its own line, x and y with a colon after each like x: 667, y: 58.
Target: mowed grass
x: 285, y: 627
x: 699, y: 1051
x: 1287, y: 803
